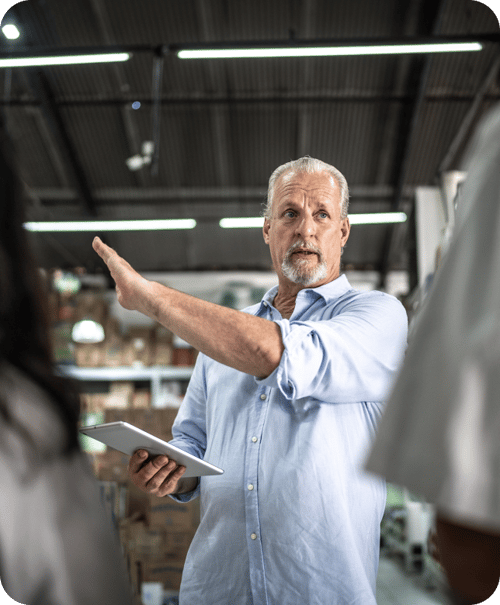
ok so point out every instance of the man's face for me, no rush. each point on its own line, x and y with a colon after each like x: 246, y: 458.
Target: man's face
x: 305, y: 233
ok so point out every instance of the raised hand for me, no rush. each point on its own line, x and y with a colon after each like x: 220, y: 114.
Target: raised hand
x: 131, y: 288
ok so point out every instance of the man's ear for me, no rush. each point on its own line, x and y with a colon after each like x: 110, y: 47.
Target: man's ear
x: 345, y: 230
x: 265, y: 230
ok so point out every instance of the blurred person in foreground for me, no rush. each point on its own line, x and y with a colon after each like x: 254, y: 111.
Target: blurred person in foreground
x: 440, y: 434
x: 57, y: 546
x: 284, y: 397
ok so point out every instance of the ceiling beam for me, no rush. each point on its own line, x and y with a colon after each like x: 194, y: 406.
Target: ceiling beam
x: 41, y: 88
x: 204, y: 98
x: 470, y: 118
x: 200, y: 194
x: 429, y: 22
x: 219, y: 120
x: 132, y: 142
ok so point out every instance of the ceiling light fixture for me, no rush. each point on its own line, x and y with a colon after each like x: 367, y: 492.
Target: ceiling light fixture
x: 373, y: 218
x: 328, y: 51
x: 136, y: 162
x: 97, y: 226
x: 87, y: 331
x: 248, y: 222
x: 10, y: 31
x: 64, y: 60
x: 378, y: 218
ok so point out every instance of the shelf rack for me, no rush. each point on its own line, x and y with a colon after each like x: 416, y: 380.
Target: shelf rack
x: 155, y: 375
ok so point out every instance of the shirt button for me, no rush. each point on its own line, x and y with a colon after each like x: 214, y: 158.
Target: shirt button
x: 263, y: 396
x: 253, y: 536
x: 250, y: 487
x: 254, y: 439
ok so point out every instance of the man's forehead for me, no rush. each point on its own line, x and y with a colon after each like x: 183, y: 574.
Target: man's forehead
x: 317, y: 182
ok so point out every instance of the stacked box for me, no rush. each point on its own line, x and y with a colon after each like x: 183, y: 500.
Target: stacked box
x: 89, y: 305
x: 138, y: 347
x: 89, y: 355
x: 120, y: 395
x: 111, y: 465
x: 163, y: 348
x: 141, y: 400
x: 176, y: 516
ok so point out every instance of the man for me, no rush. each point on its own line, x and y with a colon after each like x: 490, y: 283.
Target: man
x: 285, y: 398
x: 441, y: 434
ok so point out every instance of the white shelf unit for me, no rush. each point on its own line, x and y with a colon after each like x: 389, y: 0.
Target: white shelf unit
x: 155, y: 375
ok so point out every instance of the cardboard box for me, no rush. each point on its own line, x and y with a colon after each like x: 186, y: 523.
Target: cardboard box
x: 176, y: 543
x: 145, y: 541
x: 162, y: 570
x: 113, y: 351
x: 115, y: 415
x: 111, y: 466
x: 138, y: 347
x: 89, y: 355
x: 137, y: 503
x: 183, y: 356
x: 163, y: 354
x: 141, y: 399
x: 156, y: 421
x: 172, y: 515
x: 92, y: 403
x: 120, y: 394
x: 89, y: 305
x: 116, y: 400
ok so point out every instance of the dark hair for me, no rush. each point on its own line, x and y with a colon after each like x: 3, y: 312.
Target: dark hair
x: 24, y: 325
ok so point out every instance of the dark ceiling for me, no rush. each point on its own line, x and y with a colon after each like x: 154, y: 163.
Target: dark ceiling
x: 389, y: 123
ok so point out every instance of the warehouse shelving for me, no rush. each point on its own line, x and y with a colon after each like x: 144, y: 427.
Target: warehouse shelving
x: 155, y: 375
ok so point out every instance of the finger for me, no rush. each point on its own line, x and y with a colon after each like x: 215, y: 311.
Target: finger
x: 146, y: 472
x: 161, y: 476
x: 137, y: 460
x: 102, y: 249
x: 170, y: 484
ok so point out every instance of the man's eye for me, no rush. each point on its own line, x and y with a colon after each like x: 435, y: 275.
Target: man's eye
x: 289, y: 213
x: 323, y: 215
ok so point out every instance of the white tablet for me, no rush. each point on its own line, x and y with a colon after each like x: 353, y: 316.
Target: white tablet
x: 127, y: 438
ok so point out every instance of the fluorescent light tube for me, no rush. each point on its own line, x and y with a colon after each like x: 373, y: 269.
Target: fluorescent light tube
x: 377, y: 218
x: 96, y: 226
x: 373, y: 218
x: 329, y: 51
x: 242, y: 223
x: 64, y: 60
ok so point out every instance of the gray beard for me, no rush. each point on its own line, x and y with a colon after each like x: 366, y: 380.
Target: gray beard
x: 298, y: 271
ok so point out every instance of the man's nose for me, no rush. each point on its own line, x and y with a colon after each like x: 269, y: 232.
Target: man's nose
x: 306, y: 226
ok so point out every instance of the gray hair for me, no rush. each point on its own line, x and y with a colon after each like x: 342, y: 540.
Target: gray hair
x: 309, y: 165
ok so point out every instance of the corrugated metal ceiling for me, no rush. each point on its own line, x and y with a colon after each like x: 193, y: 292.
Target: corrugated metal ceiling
x: 225, y: 125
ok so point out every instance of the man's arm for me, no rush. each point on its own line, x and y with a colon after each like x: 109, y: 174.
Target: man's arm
x: 471, y: 558
x: 239, y: 340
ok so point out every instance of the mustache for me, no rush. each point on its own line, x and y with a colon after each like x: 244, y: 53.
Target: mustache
x: 306, y: 246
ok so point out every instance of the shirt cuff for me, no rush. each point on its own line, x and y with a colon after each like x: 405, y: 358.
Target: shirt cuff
x: 187, y: 496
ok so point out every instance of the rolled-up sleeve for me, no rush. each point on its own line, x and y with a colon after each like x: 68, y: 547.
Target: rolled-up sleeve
x: 350, y: 357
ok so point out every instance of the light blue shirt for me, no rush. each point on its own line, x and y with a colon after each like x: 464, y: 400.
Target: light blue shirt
x: 294, y: 520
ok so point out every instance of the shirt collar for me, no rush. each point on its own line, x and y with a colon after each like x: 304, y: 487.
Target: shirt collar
x: 330, y: 291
